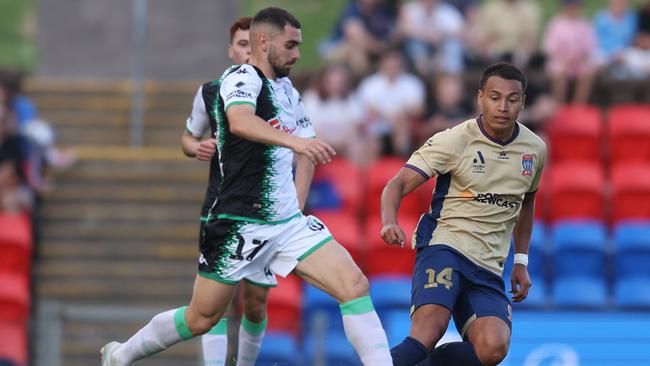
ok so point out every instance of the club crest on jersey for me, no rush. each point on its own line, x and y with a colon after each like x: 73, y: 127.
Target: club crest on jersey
x: 526, y: 164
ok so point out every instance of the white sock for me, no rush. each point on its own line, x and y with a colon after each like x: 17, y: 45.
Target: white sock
x: 215, y: 344
x: 250, y: 341
x: 163, y: 331
x: 363, y: 329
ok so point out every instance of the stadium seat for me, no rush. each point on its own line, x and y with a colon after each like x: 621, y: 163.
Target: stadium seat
x: 541, y: 199
x: 14, y: 297
x: 13, y: 341
x: 379, y: 173
x: 629, y: 133
x: 337, y: 186
x: 321, y: 311
x: 390, y: 293
x: 575, y: 134
x: 346, y: 229
x: 279, y: 349
x: 331, y: 348
x: 631, y: 191
x: 285, y: 305
x: 15, y: 243
x: 384, y: 259
x: 579, y: 248
x: 632, y: 293
x: 576, y: 191
x: 632, y: 249
x: 580, y: 292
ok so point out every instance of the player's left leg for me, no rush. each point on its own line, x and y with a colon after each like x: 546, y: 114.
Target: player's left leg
x: 253, y: 323
x: 490, y: 337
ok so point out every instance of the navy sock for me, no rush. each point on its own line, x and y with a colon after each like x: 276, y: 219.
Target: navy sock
x: 408, y: 353
x: 453, y: 354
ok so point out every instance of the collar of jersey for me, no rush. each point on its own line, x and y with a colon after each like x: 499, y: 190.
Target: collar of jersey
x: 515, y: 133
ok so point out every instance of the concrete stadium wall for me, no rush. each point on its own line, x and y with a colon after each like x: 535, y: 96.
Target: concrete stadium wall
x: 185, y: 39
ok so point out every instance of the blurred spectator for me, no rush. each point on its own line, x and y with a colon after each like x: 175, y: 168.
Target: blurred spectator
x: 615, y: 29
x: 362, y: 33
x: 391, y: 100
x: 23, y: 107
x: 539, y: 108
x: 636, y: 59
x: 447, y: 106
x: 431, y: 32
x: 334, y: 111
x: 508, y: 31
x: 463, y: 6
x: 570, y: 45
x: 15, y: 195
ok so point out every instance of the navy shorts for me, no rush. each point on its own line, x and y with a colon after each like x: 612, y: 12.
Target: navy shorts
x: 444, y: 276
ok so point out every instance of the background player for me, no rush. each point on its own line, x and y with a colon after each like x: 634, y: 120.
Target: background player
x: 488, y: 171
x: 257, y: 222
x: 255, y: 290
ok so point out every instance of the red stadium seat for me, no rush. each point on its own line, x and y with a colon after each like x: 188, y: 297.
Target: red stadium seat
x: 346, y: 229
x: 379, y: 173
x: 15, y: 243
x: 575, y: 134
x: 13, y: 341
x: 285, y: 305
x: 631, y: 191
x: 629, y: 133
x: 14, y: 297
x: 541, y: 198
x: 576, y: 191
x: 347, y: 181
x: 384, y: 259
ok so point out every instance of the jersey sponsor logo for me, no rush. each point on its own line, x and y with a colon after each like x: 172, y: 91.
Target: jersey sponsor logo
x: 239, y: 94
x: 242, y: 71
x: 478, y: 164
x: 240, y: 84
x: 277, y: 124
x: 527, y: 164
x: 501, y: 200
x: 304, y: 122
x: 503, y: 155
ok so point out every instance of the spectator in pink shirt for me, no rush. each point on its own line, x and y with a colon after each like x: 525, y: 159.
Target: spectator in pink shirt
x: 570, y: 45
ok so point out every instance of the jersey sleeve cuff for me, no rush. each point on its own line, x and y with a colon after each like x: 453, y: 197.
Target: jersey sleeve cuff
x: 238, y: 102
x: 418, y: 170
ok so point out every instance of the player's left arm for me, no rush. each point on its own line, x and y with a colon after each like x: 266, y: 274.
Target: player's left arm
x: 304, y: 174
x: 520, y: 280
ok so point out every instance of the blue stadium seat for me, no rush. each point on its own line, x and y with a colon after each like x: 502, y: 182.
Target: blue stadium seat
x: 580, y: 292
x: 321, y: 308
x: 579, y: 248
x: 331, y: 348
x: 537, y: 252
x: 397, y: 324
x: 633, y: 293
x: 279, y: 349
x: 538, y: 296
x: 390, y: 293
x: 632, y: 244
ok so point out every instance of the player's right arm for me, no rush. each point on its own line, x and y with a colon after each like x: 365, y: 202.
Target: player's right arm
x: 402, y: 184
x: 195, y: 127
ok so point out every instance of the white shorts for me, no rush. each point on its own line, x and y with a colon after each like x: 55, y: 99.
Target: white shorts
x: 236, y: 250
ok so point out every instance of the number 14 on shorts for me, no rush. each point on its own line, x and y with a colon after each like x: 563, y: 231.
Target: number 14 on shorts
x: 442, y: 278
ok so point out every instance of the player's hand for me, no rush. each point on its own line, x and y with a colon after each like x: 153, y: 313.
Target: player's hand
x: 393, y: 234
x: 520, y: 282
x: 205, y: 149
x: 317, y: 151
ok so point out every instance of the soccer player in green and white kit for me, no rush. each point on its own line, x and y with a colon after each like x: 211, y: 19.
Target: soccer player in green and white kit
x: 255, y: 221
x: 255, y: 289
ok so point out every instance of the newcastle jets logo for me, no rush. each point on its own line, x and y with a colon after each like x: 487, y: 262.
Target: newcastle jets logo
x: 527, y: 164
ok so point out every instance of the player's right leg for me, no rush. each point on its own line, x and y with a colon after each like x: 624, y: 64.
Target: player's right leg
x: 254, y: 319
x: 209, y: 301
x: 436, y: 285
x: 332, y: 269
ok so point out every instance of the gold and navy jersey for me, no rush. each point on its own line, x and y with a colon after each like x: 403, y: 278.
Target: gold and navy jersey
x: 479, y: 190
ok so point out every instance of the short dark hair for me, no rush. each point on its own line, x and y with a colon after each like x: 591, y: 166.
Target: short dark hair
x: 243, y: 23
x: 277, y: 17
x: 503, y: 70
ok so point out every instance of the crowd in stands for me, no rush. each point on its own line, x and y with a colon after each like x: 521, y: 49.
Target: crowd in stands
x: 396, y: 71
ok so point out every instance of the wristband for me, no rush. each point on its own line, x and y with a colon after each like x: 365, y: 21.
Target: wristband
x: 521, y: 258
